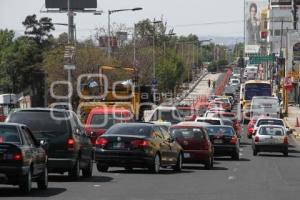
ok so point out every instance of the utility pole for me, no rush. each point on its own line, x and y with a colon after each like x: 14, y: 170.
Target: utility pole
x: 295, y: 14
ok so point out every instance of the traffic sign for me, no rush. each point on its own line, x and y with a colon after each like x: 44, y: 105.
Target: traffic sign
x: 255, y: 60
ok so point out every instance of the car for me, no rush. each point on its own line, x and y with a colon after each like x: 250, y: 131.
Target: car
x: 226, y: 115
x: 166, y: 113
x: 23, y: 159
x: 226, y: 103
x: 70, y: 150
x: 225, y: 141
x: 265, y: 120
x: 138, y: 145
x: 270, y: 138
x: 210, y: 120
x: 263, y: 105
x: 235, y: 83
x: 101, y: 119
x: 195, y: 142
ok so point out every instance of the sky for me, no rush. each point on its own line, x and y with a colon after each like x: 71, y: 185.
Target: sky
x: 200, y: 17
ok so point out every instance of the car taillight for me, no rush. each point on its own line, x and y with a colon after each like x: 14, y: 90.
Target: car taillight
x: 71, y: 144
x: 101, y: 142
x: 256, y: 139
x: 285, y: 141
x: 233, y: 140
x: 139, y: 143
x: 17, y: 156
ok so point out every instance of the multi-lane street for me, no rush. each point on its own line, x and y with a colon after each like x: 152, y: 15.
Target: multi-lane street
x: 268, y: 176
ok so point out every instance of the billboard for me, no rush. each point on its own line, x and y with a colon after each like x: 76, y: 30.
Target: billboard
x: 74, y: 4
x: 254, y: 24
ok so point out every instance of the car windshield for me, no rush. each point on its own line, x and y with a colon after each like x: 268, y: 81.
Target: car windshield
x: 234, y: 81
x: 185, y: 112
x: 218, y: 130
x: 270, y: 122
x: 187, y: 133
x: 273, y: 131
x: 210, y: 121
x: 129, y: 129
x: 224, y: 100
x: 9, y: 134
x: 43, y: 124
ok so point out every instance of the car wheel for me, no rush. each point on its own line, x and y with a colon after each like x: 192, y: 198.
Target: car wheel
x: 236, y: 156
x: 26, y: 183
x: 42, y: 183
x: 255, y: 152
x: 155, y: 168
x: 209, y: 163
x: 128, y: 169
x: 101, y: 167
x: 178, y: 166
x: 88, y: 171
x: 75, y: 172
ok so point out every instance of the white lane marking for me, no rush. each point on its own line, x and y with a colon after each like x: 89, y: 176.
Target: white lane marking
x: 97, y: 185
x: 231, y: 178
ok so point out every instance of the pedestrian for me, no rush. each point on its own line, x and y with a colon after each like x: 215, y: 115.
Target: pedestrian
x: 209, y: 82
x: 214, y: 84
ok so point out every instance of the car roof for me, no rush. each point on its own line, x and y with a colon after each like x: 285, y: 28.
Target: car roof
x: 209, y: 118
x: 190, y: 124
x: 40, y: 109
x: 11, y: 124
x: 219, y: 126
x: 268, y: 118
x: 108, y: 110
x: 137, y: 124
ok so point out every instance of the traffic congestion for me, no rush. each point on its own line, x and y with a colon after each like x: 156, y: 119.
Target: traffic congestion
x: 38, y: 141
x: 149, y: 100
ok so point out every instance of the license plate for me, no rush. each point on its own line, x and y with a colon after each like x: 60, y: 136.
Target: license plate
x: 187, y: 155
x: 218, y: 141
x: 119, y: 145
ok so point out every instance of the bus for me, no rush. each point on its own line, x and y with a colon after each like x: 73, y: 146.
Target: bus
x: 254, y: 88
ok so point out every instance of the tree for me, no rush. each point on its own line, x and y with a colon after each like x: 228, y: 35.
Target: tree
x: 38, y: 29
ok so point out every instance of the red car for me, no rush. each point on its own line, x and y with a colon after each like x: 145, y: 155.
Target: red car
x: 195, y: 142
x: 101, y: 119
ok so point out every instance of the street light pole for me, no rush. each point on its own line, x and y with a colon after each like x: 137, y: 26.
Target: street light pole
x: 109, y: 28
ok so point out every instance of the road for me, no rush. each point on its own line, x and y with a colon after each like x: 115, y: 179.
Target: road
x: 267, y: 176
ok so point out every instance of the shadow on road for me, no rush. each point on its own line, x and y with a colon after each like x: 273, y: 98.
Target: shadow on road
x: 202, y: 168
x: 229, y: 159
x: 145, y: 171
x: 277, y: 155
x: 15, y: 192
x: 94, y: 179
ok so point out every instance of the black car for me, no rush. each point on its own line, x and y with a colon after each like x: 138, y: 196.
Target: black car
x: 70, y: 150
x: 140, y: 145
x: 225, y: 141
x: 22, y: 158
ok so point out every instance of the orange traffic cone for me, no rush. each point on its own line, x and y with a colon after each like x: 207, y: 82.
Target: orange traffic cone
x: 297, y: 123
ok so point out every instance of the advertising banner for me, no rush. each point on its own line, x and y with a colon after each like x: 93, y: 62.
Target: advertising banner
x: 254, y: 10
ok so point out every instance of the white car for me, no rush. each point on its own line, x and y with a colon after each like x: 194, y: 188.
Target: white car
x: 270, y: 121
x: 165, y: 114
x: 270, y: 138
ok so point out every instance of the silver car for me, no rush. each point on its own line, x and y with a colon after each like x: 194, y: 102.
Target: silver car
x: 270, y: 138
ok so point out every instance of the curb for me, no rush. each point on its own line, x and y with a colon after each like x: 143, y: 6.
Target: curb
x: 295, y: 133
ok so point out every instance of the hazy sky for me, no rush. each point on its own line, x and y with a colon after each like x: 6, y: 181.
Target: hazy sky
x: 186, y: 16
